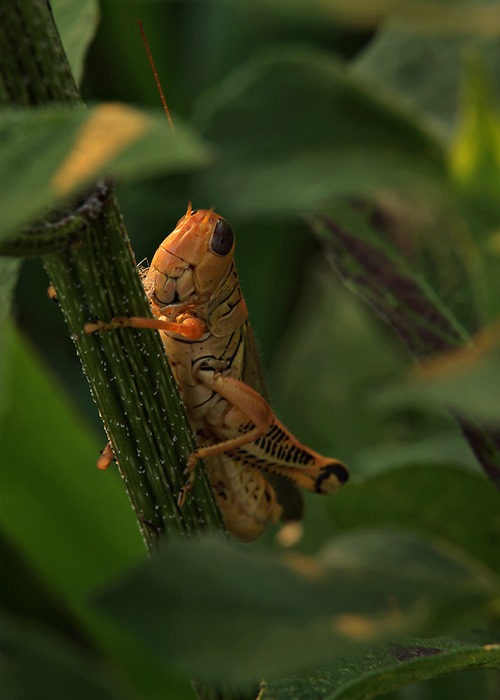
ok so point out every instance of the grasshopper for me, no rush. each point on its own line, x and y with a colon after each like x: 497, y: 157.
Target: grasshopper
x: 253, y: 462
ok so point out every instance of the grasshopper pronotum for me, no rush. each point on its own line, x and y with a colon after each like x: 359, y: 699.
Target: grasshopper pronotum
x: 198, y: 307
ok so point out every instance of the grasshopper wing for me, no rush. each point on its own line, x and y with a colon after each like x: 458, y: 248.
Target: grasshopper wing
x: 288, y: 495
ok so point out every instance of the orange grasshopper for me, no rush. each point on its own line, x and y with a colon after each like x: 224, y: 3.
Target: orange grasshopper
x: 253, y: 462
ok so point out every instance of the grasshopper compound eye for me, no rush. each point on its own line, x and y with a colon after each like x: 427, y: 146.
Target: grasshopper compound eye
x: 222, y: 238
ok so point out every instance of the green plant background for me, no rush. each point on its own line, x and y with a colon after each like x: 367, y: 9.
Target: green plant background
x: 396, y: 115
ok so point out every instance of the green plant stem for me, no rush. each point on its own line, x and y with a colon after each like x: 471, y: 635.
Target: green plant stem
x: 96, y: 277
x: 87, y: 255
x: 33, y: 68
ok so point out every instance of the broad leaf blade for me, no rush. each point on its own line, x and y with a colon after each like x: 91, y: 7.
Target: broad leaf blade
x: 71, y: 521
x: 399, y: 56
x: 466, y: 381
x: 295, y: 129
x: 403, y: 300
x: 36, y: 663
x: 48, y: 154
x: 77, y: 23
x: 232, y: 617
x: 447, y: 502
x: 384, y: 669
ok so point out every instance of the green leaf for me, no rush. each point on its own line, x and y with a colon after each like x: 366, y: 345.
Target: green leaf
x: 69, y: 527
x: 273, y: 614
x: 73, y: 522
x: 458, y: 506
x: 48, y: 154
x: 475, y: 153
x: 295, y: 129
x: 39, y: 664
x: 479, y: 16
x: 77, y: 23
x: 460, y: 95
x: 26, y: 594
x: 389, y: 284
x: 466, y: 382
x: 398, y: 59
x: 435, y: 440
x: 413, y: 310
x: 383, y: 669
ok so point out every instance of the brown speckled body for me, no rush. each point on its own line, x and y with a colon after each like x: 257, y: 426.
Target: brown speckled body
x: 193, y: 286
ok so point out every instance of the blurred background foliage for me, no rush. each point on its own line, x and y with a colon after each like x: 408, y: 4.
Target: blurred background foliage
x: 389, y: 106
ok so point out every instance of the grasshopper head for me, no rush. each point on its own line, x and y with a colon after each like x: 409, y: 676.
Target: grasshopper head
x: 192, y: 261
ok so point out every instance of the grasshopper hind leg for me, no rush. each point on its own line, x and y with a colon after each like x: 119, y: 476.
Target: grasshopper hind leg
x: 279, y: 452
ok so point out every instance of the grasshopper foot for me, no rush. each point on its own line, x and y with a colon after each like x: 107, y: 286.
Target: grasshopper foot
x: 52, y: 294
x: 181, y: 498
x: 95, y: 326
x: 107, y: 456
x: 191, y: 475
x: 103, y: 326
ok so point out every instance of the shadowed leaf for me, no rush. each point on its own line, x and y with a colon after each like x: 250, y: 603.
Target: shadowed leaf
x: 383, y: 669
x: 274, y: 614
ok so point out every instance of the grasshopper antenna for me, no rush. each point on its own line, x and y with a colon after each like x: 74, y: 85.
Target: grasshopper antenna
x: 156, y: 77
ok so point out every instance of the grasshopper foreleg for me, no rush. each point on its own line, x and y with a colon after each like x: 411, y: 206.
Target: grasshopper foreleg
x: 187, y: 325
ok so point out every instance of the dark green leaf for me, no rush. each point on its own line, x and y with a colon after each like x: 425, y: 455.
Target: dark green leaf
x: 25, y: 593
x: 451, y: 503
x: 469, y: 387
x: 68, y: 518
x: 294, y: 130
x: 383, y: 669
x: 71, y: 525
x: 48, y: 154
x: 479, y: 16
x: 400, y: 57
x: 233, y: 616
x: 397, y: 293
x: 36, y: 663
x: 77, y: 22
x: 414, y: 312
